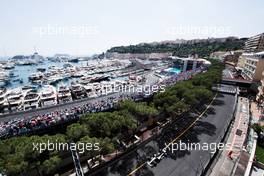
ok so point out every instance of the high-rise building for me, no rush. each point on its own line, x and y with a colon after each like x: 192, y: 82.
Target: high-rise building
x: 254, y: 66
x: 255, y: 44
x: 253, y: 58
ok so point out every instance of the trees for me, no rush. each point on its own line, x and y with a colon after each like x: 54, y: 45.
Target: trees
x: 140, y: 111
x: 18, y: 154
x: 50, y: 165
x: 76, y: 131
x: 188, y: 94
x: 176, y: 109
x: 202, y: 48
x: 107, y: 124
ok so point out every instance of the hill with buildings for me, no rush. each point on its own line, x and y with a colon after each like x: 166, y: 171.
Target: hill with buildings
x: 183, y: 48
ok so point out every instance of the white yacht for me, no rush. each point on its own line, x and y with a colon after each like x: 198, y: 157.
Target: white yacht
x: 15, y: 99
x: 97, y: 88
x: 77, y: 91
x: 3, y: 93
x: 31, y: 100
x: 4, y: 77
x: 36, y: 77
x: 84, y: 80
x: 64, y: 94
x: 54, y: 79
x: 90, y: 90
x: 48, y: 96
x: 9, y: 65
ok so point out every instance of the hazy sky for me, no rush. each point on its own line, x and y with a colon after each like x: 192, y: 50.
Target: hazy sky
x: 83, y: 27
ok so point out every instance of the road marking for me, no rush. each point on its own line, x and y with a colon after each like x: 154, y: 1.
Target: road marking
x: 139, y: 167
x: 136, y: 169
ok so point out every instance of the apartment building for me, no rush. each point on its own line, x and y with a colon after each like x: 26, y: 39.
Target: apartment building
x: 255, y: 44
x: 254, y: 66
x: 252, y: 60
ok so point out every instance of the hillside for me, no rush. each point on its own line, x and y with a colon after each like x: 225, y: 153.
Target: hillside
x: 200, y: 47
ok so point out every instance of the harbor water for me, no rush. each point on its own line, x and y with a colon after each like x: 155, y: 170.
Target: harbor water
x: 21, y: 73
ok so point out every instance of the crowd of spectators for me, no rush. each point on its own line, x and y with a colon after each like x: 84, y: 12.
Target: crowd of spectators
x: 24, y: 126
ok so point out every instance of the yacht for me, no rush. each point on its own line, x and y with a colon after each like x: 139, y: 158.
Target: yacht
x: 4, y: 77
x: 97, y: 88
x: 77, y: 91
x: 48, y: 96
x: 53, y: 76
x: 64, y: 94
x: 36, y: 77
x: 67, y: 65
x: 90, y: 90
x: 15, y: 99
x: 84, y: 80
x: 3, y: 93
x: 41, y: 69
x: 9, y: 65
x: 31, y: 100
x: 99, y: 78
x: 54, y: 79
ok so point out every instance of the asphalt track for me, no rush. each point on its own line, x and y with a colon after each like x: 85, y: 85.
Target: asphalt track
x: 209, y: 129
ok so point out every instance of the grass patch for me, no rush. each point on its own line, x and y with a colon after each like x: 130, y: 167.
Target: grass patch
x: 260, y: 153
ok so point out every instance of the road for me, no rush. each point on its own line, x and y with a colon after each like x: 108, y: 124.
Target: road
x: 209, y: 129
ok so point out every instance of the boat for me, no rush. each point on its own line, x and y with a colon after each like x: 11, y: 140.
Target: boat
x: 48, y: 96
x: 3, y: 93
x: 99, y: 78
x: 73, y: 60
x: 20, y: 80
x: 77, y: 91
x: 4, y: 78
x: 29, y: 87
x: 67, y: 65
x: 31, y: 100
x: 36, y: 77
x: 41, y: 69
x: 64, y: 94
x: 84, y: 80
x: 9, y: 66
x: 54, y: 79
x: 26, y: 62
x: 15, y: 99
x: 90, y: 90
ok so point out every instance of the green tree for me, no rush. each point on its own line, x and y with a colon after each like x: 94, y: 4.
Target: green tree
x: 76, y: 131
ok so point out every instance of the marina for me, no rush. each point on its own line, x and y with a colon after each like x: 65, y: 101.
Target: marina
x: 50, y: 82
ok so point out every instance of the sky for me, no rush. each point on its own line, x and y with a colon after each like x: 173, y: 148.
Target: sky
x: 85, y: 27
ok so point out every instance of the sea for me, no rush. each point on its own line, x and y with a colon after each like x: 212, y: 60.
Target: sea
x: 22, y: 72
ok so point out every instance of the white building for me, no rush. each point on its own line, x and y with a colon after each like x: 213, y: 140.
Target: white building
x: 186, y: 64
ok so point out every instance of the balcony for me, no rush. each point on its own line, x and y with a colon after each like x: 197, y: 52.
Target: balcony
x: 246, y: 75
x: 249, y: 70
x: 251, y: 65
